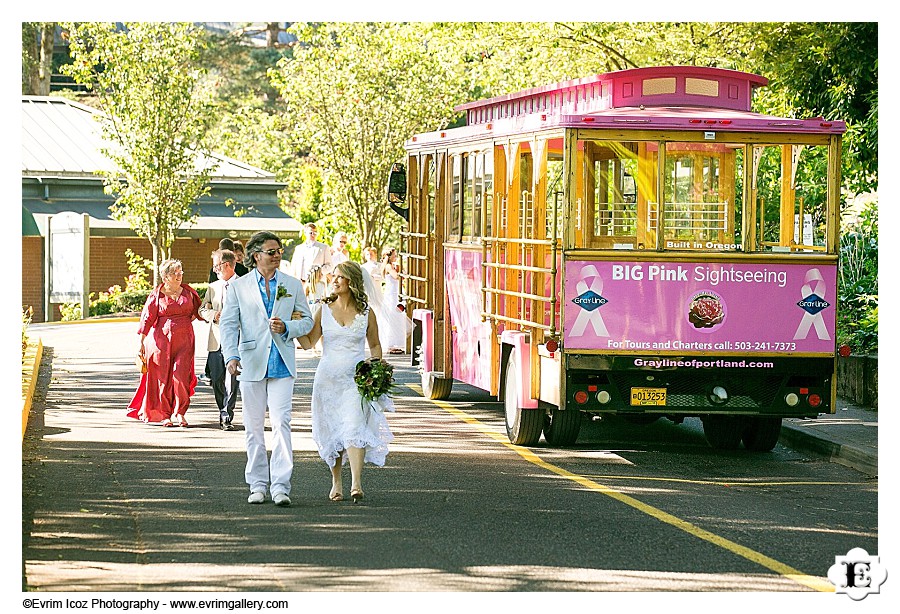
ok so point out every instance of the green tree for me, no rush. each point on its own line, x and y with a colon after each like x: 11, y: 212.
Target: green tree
x: 148, y: 81
x: 355, y: 92
x: 828, y: 70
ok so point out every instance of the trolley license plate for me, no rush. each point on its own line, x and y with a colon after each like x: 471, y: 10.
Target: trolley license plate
x: 648, y: 396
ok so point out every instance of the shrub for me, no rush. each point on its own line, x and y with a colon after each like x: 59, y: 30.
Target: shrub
x: 858, y: 283
x: 117, y: 300
x: 70, y: 311
x: 27, y: 314
x: 140, y: 269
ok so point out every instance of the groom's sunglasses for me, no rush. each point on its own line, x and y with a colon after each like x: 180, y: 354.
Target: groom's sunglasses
x: 272, y: 252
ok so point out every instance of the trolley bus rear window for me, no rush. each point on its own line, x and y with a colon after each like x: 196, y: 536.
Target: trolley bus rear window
x: 705, y: 186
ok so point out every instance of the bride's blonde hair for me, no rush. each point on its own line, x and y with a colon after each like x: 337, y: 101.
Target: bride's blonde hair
x: 352, y: 272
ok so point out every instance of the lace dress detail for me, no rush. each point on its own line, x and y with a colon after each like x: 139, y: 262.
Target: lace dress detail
x: 339, y: 417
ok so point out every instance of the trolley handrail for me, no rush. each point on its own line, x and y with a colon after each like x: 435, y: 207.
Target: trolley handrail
x: 412, y: 299
x: 413, y: 277
x: 534, y: 297
x: 511, y: 266
x: 521, y: 241
x: 495, y: 316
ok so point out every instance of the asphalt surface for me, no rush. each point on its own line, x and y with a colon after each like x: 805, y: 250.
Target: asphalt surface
x: 79, y: 406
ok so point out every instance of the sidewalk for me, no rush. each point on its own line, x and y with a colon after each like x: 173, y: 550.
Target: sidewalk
x: 848, y: 437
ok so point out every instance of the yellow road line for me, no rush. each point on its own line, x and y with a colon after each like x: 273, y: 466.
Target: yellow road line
x: 818, y: 584
x: 725, y: 483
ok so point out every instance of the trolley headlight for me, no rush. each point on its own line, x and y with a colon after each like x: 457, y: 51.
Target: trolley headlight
x: 603, y: 397
x: 791, y: 399
x: 718, y: 395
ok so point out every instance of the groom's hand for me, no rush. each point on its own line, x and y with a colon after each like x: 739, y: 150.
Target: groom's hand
x: 234, y: 367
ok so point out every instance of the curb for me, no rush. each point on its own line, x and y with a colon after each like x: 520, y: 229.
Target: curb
x: 95, y: 320
x: 28, y: 393
x: 842, y: 454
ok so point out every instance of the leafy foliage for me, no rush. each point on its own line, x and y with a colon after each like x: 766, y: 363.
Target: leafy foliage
x: 858, y: 282
x: 828, y: 70
x: 355, y: 92
x: 146, y: 76
x: 140, y: 269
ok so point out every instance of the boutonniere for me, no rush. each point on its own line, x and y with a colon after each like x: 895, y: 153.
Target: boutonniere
x: 282, y: 292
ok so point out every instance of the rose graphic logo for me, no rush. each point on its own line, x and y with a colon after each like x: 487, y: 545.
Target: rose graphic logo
x: 706, y: 311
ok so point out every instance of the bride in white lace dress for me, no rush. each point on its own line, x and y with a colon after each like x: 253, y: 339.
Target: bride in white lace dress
x: 343, y: 427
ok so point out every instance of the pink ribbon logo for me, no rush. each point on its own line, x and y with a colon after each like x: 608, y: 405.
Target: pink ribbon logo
x: 813, y: 302
x: 590, y: 299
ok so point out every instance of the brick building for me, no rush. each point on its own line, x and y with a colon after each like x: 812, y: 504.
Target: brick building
x: 61, y: 152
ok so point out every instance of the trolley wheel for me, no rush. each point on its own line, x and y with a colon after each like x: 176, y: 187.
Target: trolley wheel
x: 761, y: 433
x: 723, y: 432
x: 436, y: 387
x: 523, y: 426
x: 561, y: 426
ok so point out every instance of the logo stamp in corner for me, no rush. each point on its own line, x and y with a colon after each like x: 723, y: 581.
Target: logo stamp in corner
x: 858, y: 574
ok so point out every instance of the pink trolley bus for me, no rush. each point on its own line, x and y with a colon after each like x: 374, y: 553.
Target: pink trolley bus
x: 638, y: 243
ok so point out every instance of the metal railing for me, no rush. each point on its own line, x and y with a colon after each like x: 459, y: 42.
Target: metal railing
x: 690, y: 217
x: 491, y: 293
x: 617, y: 220
x: 406, y: 277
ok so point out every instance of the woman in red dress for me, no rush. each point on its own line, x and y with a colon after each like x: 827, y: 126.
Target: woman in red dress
x: 167, y: 347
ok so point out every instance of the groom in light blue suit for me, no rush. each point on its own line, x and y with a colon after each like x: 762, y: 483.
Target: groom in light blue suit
x: 257, y: 335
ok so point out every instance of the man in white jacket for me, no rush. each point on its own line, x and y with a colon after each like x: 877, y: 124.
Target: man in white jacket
x: 257, y: 330
x: 309, y: 256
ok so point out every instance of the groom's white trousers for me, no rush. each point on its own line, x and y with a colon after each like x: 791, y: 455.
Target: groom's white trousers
x: 274, y: 393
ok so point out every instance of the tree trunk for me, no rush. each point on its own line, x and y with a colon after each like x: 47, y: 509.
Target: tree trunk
x: 157, y: 259
x: 272, y: 30
x: 45, y: 69
x: 30, y: 53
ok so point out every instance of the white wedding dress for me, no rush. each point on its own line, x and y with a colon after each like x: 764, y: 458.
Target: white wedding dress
x: 393, y: 325
x: 340, y: 419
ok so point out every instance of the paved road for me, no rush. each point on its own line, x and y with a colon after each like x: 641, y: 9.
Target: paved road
x: 111, y: 504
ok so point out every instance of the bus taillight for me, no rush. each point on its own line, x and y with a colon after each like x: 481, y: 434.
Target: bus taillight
x: 581, y: 397
x: 814, y: 400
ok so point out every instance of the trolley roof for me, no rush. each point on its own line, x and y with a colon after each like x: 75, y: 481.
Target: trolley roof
x: 661, y: 97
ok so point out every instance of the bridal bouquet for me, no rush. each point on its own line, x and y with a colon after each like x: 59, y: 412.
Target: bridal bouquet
x: 374, y: 378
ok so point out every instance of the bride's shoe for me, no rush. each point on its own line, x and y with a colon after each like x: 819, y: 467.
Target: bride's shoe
x: 336, y: 496
x: 356, y: 495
